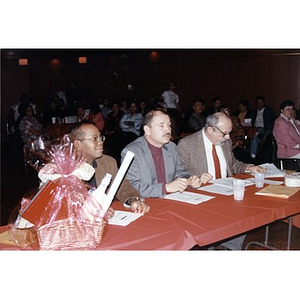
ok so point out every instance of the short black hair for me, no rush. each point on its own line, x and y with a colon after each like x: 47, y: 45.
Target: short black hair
x: 286, y: 103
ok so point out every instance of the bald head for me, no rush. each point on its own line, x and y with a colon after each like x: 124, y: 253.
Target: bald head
x: 218, y: 127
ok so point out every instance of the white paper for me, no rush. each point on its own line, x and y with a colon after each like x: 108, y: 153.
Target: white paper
x: 188, y: 197
x: 272, y: 171
x: 228, y: 182
x: 217, y: 189
x: 123, y: 218
x: 108, y: 198
x: 266, y: 181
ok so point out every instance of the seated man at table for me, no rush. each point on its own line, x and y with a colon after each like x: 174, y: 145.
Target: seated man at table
x: 197, y: 150
x: 209, y: 151
x: 87, y: 139
x: 156, y: 168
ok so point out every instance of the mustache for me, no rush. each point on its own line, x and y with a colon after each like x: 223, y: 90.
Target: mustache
x: 167, y: 134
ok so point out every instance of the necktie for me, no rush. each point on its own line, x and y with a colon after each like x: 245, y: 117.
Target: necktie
x: 216, y: 162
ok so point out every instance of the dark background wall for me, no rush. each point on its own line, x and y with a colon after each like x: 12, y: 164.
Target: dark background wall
x: 231, y: 74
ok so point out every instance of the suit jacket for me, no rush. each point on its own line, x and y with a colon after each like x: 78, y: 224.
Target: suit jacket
x: 269, y: 119
x: 142, y: 172
x: 107, y: 164
x: 286, y: 138
x: 192, y: 154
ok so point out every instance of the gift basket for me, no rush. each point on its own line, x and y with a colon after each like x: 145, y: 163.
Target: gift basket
x: 62, y: 215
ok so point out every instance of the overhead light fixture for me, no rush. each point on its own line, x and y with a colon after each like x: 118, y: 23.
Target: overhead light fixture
x: 82, y: 59
x: 23, y: 62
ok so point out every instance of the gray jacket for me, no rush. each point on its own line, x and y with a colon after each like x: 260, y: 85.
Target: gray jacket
x: 142, y: 173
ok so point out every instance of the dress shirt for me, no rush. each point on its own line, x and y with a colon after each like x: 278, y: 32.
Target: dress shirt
x: 210, y: 160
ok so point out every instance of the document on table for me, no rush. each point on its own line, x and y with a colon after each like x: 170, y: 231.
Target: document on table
x: 188, y: 197
x: 217, y: 189
x: 266, y: 181
x: 272, y: 171
x: 223, y: 186
x: 123, y: 218
x: 228, y: 182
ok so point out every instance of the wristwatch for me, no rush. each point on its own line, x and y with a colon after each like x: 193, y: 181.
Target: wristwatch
x: 129, y: 200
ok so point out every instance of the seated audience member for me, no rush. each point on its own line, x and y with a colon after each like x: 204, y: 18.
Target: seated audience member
x: 88, y: 141
x: 215, y: 135
x: 244, y: 112
x: 82, y: 114
x: 131, y: 123
x: 106, y: 108
x: 51, y: 111
x: 156, y: 168
x: 209, y: 151
x: 237, y: 137
x: 263, y: 119
x: 143, y: 107
x: 96, y: 117
x: 112, y: 132
x: 287, y: 132
x: 30, y: 128
x: 197, y: 120
x: 215, y: 107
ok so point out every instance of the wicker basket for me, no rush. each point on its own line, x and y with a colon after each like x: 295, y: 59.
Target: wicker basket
x: 69, y: 234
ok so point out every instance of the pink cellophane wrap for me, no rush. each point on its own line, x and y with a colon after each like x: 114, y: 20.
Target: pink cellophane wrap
x: 63, y: 213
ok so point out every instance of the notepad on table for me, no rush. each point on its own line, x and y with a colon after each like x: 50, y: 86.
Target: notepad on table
x: 278, y: 191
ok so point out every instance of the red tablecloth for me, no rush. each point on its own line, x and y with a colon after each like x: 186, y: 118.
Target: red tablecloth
x: 174, y: 225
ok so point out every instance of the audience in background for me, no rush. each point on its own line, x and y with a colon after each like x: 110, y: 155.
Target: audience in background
x: 131, y: 122
x: 244, y: 113
x: 171, y: 100
x: 105, y: 108
x: 30, y: 128
x: 215, y: 107
x: 287, y: 132
x: 95, y: 115
x: 237, y: 135
x: 197, y: 121
x: 263, y: 119
x: 112, y: 132
x: 52, y: 111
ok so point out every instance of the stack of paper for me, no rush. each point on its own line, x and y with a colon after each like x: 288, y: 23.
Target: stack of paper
x: 222, y: 186
x: 272, y: 171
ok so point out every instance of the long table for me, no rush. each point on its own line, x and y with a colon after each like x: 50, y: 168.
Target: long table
x: 173, y: 225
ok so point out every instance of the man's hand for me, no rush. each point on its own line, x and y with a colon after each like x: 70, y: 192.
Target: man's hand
x: 194, y: 181
x: 178, y: 185
x: 206, y: 177
x: 138, y: 206
x: 110, y: 213
x: 255, y: 169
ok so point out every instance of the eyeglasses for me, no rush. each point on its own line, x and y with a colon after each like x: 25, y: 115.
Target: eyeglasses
x: 99, y: 138
x: 221, y: 131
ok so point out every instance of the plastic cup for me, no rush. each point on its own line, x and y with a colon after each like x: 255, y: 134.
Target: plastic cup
x: 259, y: 180
x: 238, y: 189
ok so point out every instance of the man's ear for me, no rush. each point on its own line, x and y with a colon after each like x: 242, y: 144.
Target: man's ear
x: 77, y: 145
x: 147, y: 129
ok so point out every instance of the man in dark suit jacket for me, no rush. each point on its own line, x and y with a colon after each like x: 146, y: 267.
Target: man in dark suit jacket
x: 263, y: 119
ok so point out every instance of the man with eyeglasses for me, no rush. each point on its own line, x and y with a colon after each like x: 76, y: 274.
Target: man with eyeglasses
x: 197, y: 153
x: 87, y: 140
x: 196, y: 150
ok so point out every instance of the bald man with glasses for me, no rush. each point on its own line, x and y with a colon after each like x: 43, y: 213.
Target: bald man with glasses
x: 209, y: 152
x: 213, y: 138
